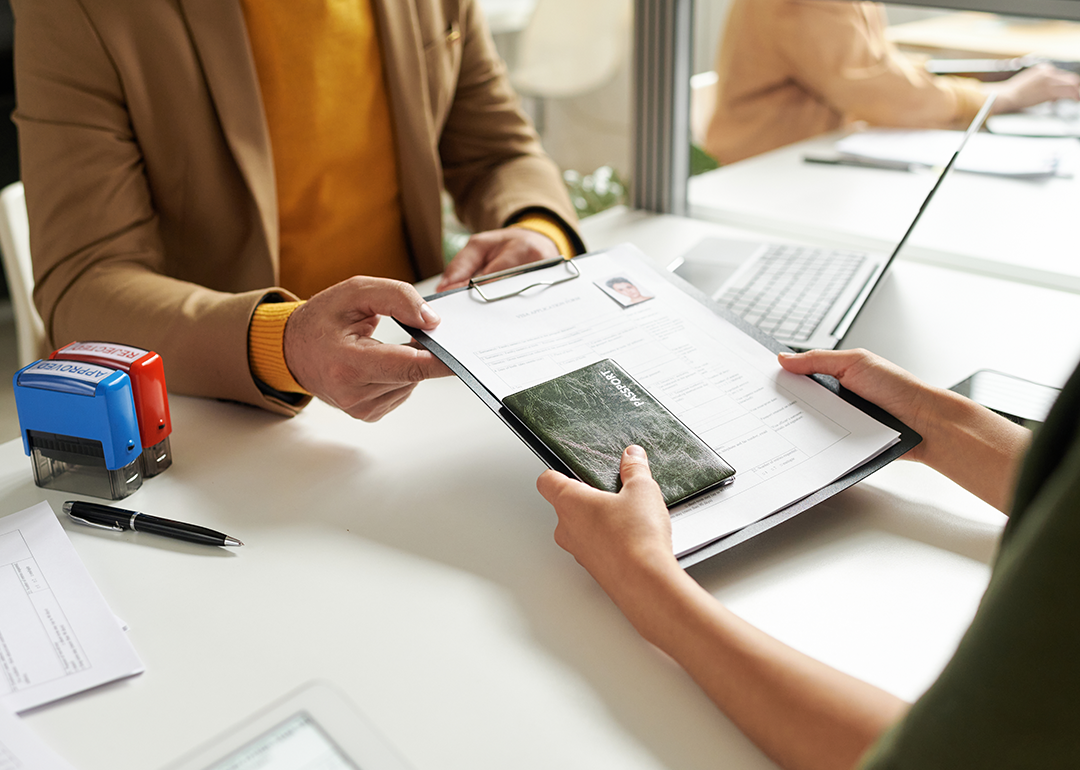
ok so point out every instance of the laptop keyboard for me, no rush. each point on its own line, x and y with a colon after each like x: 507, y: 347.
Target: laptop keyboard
x: 791, y: 289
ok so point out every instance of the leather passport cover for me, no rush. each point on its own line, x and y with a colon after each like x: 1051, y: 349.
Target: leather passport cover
x: 589, y: 416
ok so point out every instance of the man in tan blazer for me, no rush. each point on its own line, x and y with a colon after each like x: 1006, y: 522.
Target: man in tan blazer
x: 166, y: 165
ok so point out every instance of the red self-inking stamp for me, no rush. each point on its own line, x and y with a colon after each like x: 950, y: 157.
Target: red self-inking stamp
x: 147, y: 373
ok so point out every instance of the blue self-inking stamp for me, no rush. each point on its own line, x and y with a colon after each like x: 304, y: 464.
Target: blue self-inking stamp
x: 79, y: 427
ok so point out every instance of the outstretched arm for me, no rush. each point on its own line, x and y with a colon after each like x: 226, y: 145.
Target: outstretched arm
x: 1035, y: 85
x: 978, y: 449
x: 799, y: 711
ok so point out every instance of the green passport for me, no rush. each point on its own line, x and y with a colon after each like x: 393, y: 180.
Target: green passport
x: 589, y: 416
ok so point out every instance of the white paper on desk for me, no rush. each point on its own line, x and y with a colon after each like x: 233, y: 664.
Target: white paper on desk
x: 22, y: 749
x: 785, y: 435
x: 1016, y: 156
x: 57, y: 634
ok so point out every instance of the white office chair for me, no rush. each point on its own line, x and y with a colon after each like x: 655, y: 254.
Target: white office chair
x: 15, y: 249
x: 570, y: 48
x: 702, y: 104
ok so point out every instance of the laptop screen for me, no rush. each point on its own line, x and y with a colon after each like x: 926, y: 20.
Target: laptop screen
x: 856, y: 309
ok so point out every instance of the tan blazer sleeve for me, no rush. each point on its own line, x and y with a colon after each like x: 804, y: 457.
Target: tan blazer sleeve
x: 100, y: 264
x: 493, y: 165
x: 838, y: 51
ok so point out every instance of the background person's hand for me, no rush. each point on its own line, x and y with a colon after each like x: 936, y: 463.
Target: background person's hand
x: 496, y: 250
x: 330, y: 351
x: 1035, y: 85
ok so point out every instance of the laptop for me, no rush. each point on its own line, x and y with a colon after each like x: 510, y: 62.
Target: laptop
x: 806, y: 297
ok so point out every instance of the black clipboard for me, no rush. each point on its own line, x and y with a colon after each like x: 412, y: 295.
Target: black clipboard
x: 908, y: 437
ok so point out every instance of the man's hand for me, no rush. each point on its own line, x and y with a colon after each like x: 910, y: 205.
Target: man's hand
x: 619, y: 537
x: 496, y: 250
x: 1035, y: 85
x: 330, y: 351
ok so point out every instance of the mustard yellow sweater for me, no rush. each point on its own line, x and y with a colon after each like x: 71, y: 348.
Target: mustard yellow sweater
x: 321, y: 77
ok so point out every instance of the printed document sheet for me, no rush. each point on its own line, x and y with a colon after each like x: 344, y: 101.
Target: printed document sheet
x: 785, y: 435
x: 57, y: 634
x: 1011, y: 156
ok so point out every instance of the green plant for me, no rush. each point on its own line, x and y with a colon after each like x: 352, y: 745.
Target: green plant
x: 595, y: 192
x: 701, y: 161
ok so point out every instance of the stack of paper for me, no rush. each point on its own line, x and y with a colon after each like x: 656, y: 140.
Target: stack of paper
x: 1013, y: 156
x: 57, y: 634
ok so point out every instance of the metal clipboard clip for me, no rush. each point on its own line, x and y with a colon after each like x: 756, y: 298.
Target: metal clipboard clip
x: 476, y: 283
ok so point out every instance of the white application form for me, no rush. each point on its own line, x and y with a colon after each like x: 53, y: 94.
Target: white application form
x: 785, y: 435
x: 22, y: 749
x: 57, y: 634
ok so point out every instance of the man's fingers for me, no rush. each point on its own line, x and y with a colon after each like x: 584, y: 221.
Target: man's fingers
x: 507, y: 255
x: 374, y: 409
x: 390, y: 364
x: 495, y: 250
x: 465, y: 263
x: 383, y: 296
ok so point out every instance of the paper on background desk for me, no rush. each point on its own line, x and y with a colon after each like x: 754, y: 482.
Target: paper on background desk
x: 22, y: 749
x: 1015, y: 156
x: 1049, y: 119
x: 57, y: 634
x: 785, y: 435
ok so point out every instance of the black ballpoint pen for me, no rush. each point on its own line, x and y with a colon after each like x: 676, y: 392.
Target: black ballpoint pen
x: 118, y: 519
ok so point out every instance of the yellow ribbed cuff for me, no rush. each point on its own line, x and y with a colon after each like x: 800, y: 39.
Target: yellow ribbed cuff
x: 551, y: 228
x: 266, y: 346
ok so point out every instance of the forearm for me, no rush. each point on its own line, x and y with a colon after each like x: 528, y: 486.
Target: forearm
x: 914, y: 99
x: 201, y: 335
x: 978, y: 449
x: 799, y: 711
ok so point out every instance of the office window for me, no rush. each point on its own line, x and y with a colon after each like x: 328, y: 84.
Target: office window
x: 570, y: 62
x: 799, y: 109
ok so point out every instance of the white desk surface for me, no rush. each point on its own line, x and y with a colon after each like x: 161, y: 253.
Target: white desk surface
x: 411, y: 562
x: 970, y: 33
x: 1019, y: 229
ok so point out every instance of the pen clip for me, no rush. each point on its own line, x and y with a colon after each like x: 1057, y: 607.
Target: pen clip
x: 114, y: 528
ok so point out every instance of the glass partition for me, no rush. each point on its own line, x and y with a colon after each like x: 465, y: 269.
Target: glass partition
x: 570, y: 62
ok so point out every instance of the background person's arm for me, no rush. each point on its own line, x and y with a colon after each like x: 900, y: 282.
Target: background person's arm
x: 838, y: 51
x: 1035, y: 85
